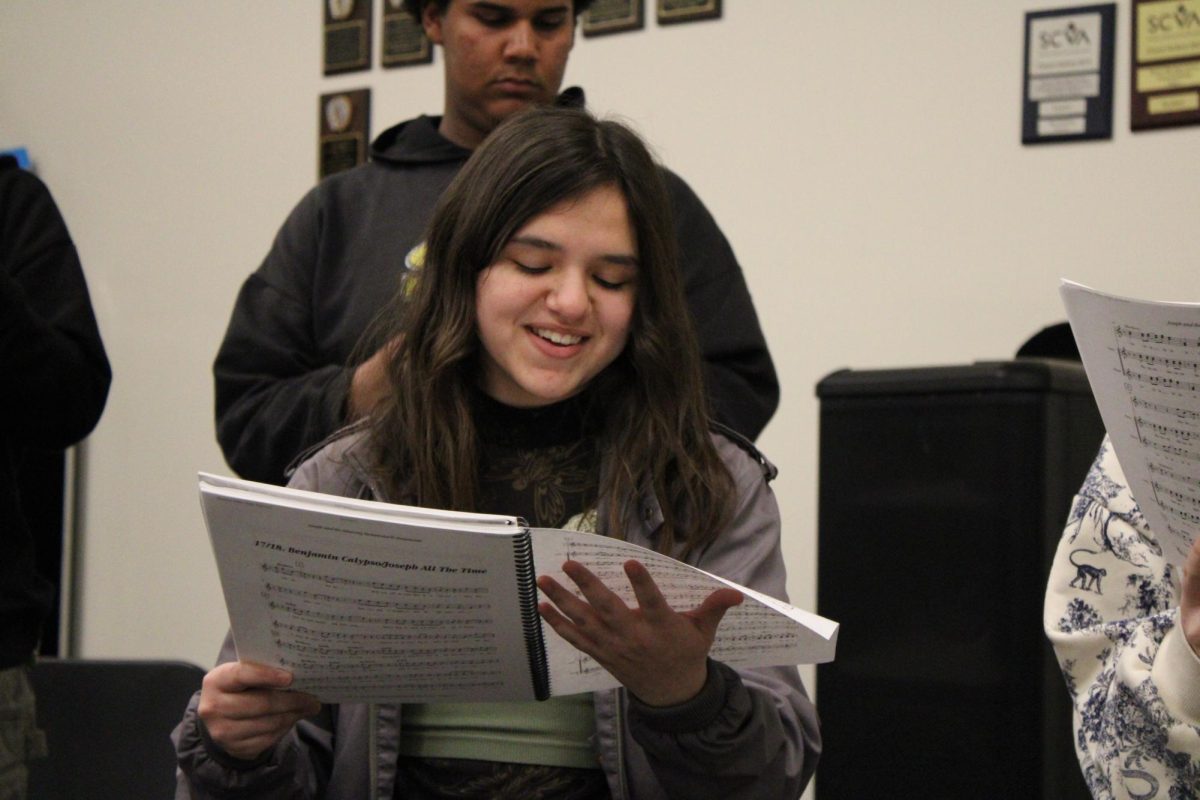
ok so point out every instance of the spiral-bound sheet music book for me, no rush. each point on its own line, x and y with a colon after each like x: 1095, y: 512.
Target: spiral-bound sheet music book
x: 366, y: 601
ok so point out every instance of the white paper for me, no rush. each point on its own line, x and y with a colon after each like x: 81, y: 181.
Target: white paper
x: 760, y: 632
x: 319, y: 589
x: 368, y: 601
x: 1143, y: 362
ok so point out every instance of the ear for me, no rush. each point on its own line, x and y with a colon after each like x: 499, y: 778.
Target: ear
x: 431, y: 20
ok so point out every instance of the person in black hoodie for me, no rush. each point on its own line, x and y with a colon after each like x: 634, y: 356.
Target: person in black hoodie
x: 292, y: 369
x: 54, y: 386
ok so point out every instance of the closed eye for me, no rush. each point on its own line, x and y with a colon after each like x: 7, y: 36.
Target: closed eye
x: 551, y: 21
x: 610, y: 284
x: 493, y: 17
x: 530, y: 269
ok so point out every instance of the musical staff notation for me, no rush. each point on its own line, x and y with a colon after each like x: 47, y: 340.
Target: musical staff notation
x: 1163, y: 490
x: 422, y: 590
x: 304, y: 612
x: 368, y: 649
x: 1186, y: 516
x: 299, y: 632
x: 416, y: 607
x: 1170, y: 449
x: 1162, y: 408
x: 1143, y: 363
x: 1154, y: 337
x: 1149, y: 360
x: 1170, y: 432
x: 1162, y: 381
x: 1166, y: 472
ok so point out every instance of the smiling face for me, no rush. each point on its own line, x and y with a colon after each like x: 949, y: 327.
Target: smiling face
x: 555, y: 308
x: 500, y: 57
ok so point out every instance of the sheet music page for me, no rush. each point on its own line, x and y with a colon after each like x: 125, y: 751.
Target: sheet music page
x: 760, y: 632
x: 1143, y: 362
x: 364, y: 604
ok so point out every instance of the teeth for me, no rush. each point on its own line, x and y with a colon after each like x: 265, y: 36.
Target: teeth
x: 558, y: 338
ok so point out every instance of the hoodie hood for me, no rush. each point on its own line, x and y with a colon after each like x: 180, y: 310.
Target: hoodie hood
x: 417, y: 141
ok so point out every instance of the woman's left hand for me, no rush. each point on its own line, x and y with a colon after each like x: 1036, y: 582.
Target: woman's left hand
x: 657, y: 653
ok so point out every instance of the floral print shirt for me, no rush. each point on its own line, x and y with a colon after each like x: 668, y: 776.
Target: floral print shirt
x: 1111, y: 608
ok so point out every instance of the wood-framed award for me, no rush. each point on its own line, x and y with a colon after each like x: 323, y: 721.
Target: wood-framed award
x: 1165, y: 85
x: 347, y: 36
x: 344, y: 123
x: 404, y: 42
x: 1068, y: 81
x: 672, y: 11
x: 613, y: 16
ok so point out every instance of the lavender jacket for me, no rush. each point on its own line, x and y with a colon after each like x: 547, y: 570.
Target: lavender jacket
x: 749, y: 734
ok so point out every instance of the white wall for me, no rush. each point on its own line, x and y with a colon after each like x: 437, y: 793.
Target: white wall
x: 864, y: 161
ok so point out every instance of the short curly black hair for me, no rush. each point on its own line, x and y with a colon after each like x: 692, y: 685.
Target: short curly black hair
x: 415, y: 7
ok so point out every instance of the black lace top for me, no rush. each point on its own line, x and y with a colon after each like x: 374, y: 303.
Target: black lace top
x: 540, y: 464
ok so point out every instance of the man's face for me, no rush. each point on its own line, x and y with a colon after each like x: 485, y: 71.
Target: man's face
x: 501, y: 56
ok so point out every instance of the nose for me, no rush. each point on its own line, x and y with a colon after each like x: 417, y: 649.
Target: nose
x: 522, y: 42
x: 568, y: 296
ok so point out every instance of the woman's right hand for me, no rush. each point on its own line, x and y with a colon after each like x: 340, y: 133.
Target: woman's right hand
x: 246, y: 710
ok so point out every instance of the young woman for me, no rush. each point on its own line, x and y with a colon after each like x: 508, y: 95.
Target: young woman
x: 545, y: 367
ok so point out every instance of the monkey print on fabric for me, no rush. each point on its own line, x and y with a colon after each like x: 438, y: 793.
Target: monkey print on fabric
x: 1111, y: 600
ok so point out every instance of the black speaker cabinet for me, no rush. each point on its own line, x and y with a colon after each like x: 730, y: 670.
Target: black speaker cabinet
x: 943, y: 492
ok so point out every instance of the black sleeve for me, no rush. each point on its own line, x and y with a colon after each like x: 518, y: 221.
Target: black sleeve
x: 738, y: 371
x: 55, y: 371
x: 275, y: 395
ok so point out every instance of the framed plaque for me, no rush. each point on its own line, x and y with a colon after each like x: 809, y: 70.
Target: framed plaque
x: 671, y: 11
x: 404, y: 39
x: 1068, y: 86
x: 613, y: 16
x: 344, y: 124
x: 347, y: 35
x: 1165, y: 86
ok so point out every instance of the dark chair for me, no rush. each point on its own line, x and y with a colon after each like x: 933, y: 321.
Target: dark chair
x: 107, y: 726
x: 1052, y: 341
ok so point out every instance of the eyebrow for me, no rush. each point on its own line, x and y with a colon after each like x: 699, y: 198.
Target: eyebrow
x: 620, y: 259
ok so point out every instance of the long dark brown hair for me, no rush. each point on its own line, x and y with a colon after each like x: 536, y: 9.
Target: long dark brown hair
x: 654, y: 431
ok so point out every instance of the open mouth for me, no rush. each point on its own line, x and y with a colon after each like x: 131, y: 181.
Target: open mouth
x: 554, y: 337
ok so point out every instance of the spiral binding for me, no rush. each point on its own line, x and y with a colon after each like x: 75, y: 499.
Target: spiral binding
x: 531, y: 622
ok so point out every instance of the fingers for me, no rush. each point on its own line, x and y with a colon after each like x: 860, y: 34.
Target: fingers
x: 1190, y: 584
x: 246, y: 709
x: 650, y: 598
x: 605, y: 601
x: 659, y: 654
x: 720, y: 601
x: 597, y: 598
x: 1189, y: 598
x: 1191, y: 567
x: 566, y: 604
x: 710, y: 612
x: 243, y: 690
x: 237, y: 676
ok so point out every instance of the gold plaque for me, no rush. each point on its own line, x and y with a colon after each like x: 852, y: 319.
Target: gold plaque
x: 404, y: 39
x: 1165, y: 89
x: 671, y: 11
x: 347, y: 35
x: 344, y: 123
x: 612, y: 16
